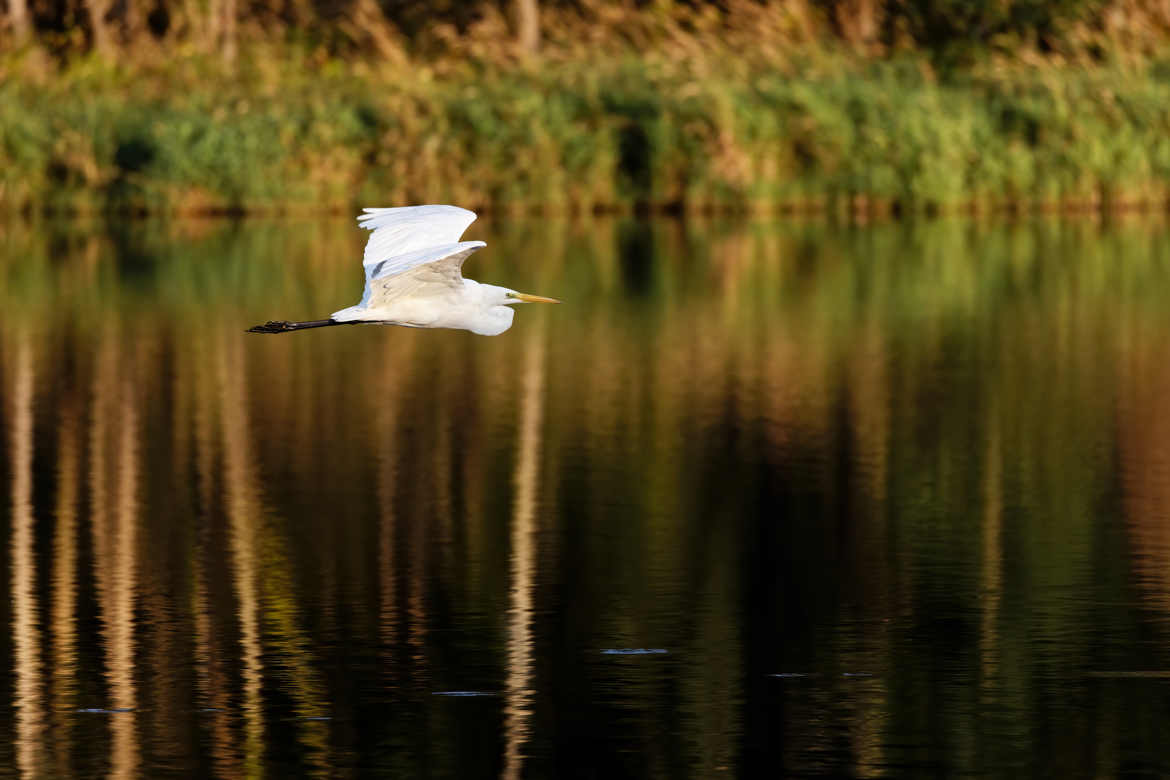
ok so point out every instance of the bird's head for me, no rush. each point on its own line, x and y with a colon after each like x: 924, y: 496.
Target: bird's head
x: 497, y: 313
x: 494, y: 295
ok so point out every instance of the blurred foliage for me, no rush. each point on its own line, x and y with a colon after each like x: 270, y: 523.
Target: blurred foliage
x: 390, y: 29
x: 964, y: 29
x: 851, y: 105
x: 569, y: 137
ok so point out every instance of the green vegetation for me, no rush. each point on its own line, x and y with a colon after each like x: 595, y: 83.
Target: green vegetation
x: 749, y: 110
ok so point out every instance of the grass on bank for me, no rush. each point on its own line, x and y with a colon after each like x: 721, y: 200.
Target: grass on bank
x: 189, y: 136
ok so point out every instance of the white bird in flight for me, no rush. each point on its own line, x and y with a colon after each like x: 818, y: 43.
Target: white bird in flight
x: 413, y: 262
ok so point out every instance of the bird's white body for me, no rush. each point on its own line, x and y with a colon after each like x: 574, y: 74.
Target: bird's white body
x: 476, y: 307
x: 413, y: 263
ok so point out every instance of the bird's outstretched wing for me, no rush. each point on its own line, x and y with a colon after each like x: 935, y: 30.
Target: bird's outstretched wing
x: 399, y: 234
x: 413, y: 251
x: 433, y: 271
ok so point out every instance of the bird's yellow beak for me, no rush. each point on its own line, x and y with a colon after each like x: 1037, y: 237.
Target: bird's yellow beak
x: 526, y: 298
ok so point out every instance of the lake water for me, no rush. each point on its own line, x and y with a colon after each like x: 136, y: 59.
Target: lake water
x: 760, y: 498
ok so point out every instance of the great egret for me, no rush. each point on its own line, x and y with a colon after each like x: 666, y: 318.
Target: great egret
x: 413, y: 261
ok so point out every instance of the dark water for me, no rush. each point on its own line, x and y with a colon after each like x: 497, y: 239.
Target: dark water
x: 784, y: 499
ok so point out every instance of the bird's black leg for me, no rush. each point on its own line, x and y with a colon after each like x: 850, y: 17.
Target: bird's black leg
x: 282, y: 326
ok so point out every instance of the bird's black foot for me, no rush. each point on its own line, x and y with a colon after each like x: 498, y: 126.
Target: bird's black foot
x: 281, y: 326
x: 272, y: 326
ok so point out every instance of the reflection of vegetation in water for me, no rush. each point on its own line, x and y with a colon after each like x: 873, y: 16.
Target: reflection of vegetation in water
x: 729, y: 411
x: 26, y: 639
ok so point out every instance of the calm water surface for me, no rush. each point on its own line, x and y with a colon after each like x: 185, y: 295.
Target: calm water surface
x: 784, y: 499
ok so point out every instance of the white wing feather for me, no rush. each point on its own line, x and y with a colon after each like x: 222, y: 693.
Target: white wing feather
x: 408, y: 229
x: 435, y: 264
x: 414, y: 250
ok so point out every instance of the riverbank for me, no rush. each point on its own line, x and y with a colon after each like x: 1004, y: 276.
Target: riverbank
x: 827, y: 134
